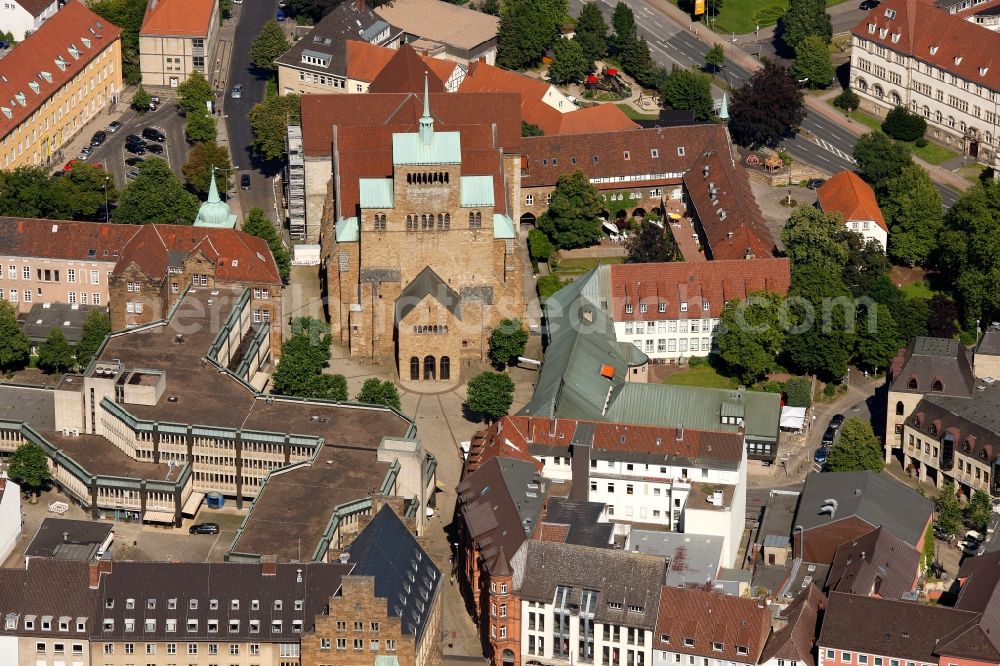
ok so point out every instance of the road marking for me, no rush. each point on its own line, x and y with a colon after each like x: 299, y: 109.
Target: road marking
x: 822, y: 143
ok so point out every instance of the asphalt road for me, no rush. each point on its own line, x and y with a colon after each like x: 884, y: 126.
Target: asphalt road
x: 822, y: 143
x: 251, y: 17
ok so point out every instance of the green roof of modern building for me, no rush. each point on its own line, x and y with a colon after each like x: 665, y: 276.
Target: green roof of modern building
x: 376, y: 193
x: 476, y: 191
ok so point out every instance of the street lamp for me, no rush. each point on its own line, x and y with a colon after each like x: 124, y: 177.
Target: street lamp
x: 107, y: 213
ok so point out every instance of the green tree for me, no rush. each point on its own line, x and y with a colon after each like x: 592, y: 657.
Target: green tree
x: 141, y: 100
x: 715, y: 57
x: 156, y: 196
x: 592, y: 32
x: 127, y: 15
x: 879, y: 159
x: 979, y: 511
x: 225, y: 9
x: 929, y: 551
x: 490, y: 394
x: 507, y: 341
x: 910, y: 315
x: 912, y: 207
x: 527, y: 29
x: 877, y: 337
x: 652, y: 243
x: 572, y: 218
x: 199, y: 127
x: 29, y: 192
x: 491, y: 7
x: 15, y: 348
x: 847, y: 100
x: 303, y: 356
x: 688, y: 90
x: 194, y: 93
x: 812, y: 61
x: 29, y: 466
x: 751, y: 335
x: 799, y: 391
x: 267, y: 46
x: 858, y: 449
x: 258, y: 224
x: 636, y: 60
x: 269, y: 121
x: 377, y: 392
x: 531, y: 129
x: 623, y: 25
x: 55, y: 354
x: 569, y: 63
x: 901, y: 123
x: 813, y: 237
x: 802, y: 19
x: 96, y: 327
x: 949, y: 509
x: 821, y: 315
x: 767, y: 109
x: 943, y: 320
x: 539, y: 245
x: 198, y: 168
x: 548, y: 285
x: 866, y: 264
x: 84, y: 187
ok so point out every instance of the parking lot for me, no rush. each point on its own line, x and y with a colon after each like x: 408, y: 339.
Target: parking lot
x: 112, y: 154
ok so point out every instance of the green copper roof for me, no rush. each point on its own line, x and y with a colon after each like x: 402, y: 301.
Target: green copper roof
x: 214, y: 212
x: 476, y: 191
x: 376, y: 192
x: 503, y: 226
x: 440, y: 148
x: 347, y: 230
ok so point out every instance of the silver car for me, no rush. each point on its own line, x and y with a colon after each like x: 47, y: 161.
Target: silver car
x: 237, y: 91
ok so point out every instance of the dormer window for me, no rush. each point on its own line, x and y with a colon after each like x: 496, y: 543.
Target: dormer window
x: 254, y: 626
x: 277, y: 604
x: 871, y: 28
x: 933, y: 429
x: 172, y: 603
x: 895, y: 38
x: 628, y: 308
x: 934, y: 50
x: 193, y: 604
x: 912, y: 385
x: 234, y: 604
x: 882, y: 32
x: 958, y: 60
x: 213, y: 604
x: 626, y: 155
x: 688, y: 642
x: 234, y: 626
x: 150, y: 604
x: 276, y: 627
x: 937, y: 385
x: 890, y: 14
x: 684, y: 306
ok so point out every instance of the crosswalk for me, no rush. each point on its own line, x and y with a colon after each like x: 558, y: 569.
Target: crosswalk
x: 825, y: 145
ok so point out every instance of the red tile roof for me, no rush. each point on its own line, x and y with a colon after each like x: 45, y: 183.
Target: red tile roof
x: 35, y: 60
x: 365, y: 61
x: 184, y: 18
x: 404, y: 73
x: 709, y: 619
x: 239, y: 257
x: 59, y: 239
x: 695, y: 283
x: 847, y: 194
x: 916, y: 27
x: 597, y: 118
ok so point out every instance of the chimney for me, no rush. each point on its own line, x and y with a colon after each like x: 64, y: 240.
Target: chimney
x: 65, y: 537
x: 298, y: 575
x: 344, y: 557
x: 268, y: 565
x: 680, y: 433
x: 94, y: 571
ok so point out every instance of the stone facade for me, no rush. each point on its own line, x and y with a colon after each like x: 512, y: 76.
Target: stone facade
x: 621, y: 203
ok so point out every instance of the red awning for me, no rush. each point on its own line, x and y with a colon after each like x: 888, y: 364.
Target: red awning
x: 591, y: 78
x: 612, y: 71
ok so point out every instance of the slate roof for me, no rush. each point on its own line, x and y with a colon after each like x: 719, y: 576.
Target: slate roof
x: 707, y: 618
x: 853, y: 198
x: 913, y: 27
x: 330, y: 36
x: 796, y: 639
x: 387, y: 551
x: 973, y: 422
x: 442, y: 22
x: 927, y: 360
x: 37, y: 56
x: 54, y: 534
x: 405, y: 73
x: 40, y: 320
x: 876, y: 499
x: 621, y: 579
x: 905, y: 630
x: 428, y: 283
x: 580, y: 520
x: 878, y: 563
x: 178, y: 18
x: 990, y: 342
x: 978, y: 577
x: 699, y: 284
x: 54, y: 588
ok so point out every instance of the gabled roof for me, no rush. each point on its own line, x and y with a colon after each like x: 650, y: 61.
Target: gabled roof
x: 405, y: 575
x: 62, y: 239
x: 878, y: 564
x: 35, y: 7
x: 853, y: 198
x: 711, y: 618
x: 575, y: 522
x: 49, y: 587
x: 972, y: 423
x: 365, y: 61
x: 178, y: 18
x: 405, y: 73
x: 878, y: 500
x: 39, y: 321
x: 695, y: 283
x: 46, y: 59
x: 795, y: 640
x: 428, y: 283
x: 978, y: 577
x: 927, y: 360
x: 946, y: 41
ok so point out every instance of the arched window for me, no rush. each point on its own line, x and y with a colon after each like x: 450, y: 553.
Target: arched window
x: 429, y: 368
x: 423, y: 221
x: 927, y: 112
x: 447, y: 217
x: 414, y: 368
x: 913, y: 384
x: 472, y: 220
x: 445, y: 367
x: 894, y: 98
x: 933, y: 429
x: 937, y: 385
x: 409, y: 223
x: 899, y: 408
x: 479, y: 219
x: 938, y: 117
x: 440, y: 221
x: 862, y: 85
x: 409, y: 179
x: 446, y: 176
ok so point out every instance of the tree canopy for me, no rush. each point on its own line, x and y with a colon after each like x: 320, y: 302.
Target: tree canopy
x: 688, y: 90
x: 979, y: 511
x: 269, y: 121
x: 651, y: 243
x: 527, y: 30
x: 911, y: 206
x: 572, y: 218
x: 258, y: 224
x: 715, y: 57
x: 303, y: 356
x: 84, y: 188
x: 879, y: 159
x: 802, y: 19
x: 55, y: 354
x: 877, y: 337
x: 15, y: 348
x: 96, y: 327
x: 592, y: 32
x: 194, y: 93
x: 949, y: 508
x: 28, y: 191
x: 507, y: 341
x: 821, y: 312
x: 29, y: 466
x: 198, y: 168
x: 812, y: 61
x: 156, y: 196
x: 812, y: 236
x: 858, y: 449
x: 490, y: 394
x: 127, y: 15
x: 377, y: 392
x: 269, y: 43
x: 200, y: 126
x: 623, y: 26
x: 569, y: 63
x: 141, y: 100
x: 751, y: 335
x: 766, y: 110
x: 903, y: 124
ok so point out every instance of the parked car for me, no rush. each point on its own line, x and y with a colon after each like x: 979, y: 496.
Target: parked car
x: 85, y: 154
x: 973, y: 535
x: 134, y: 161
x: 155, y: 148
x: 132, y: 175
x: 821, y: 456
x: 204, y: 528
x: 941, y: 533
x: 279, y: 15
x: 113, y: 127
x: 98, y: 138
x: 154, y: 134
x: 829, y: 436
x: 972, y: 548
x: 133, y: 138
x: 4, y: 45
x: 136, y: 148
x: 245, y: 181
x: 836, y: 421
x: 869, y: 4
x: 237, y: 91
x: 815, y: 183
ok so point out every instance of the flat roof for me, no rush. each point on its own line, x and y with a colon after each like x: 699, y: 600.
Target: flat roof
x: 34, y: 406
x: 99, y: 456
x: 692, y: 559
x: 441, y: 22
x: 294, y: 507
x: 54, y: 534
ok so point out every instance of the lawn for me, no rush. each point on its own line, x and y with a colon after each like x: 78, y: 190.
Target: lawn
x: 932, y: 153
x: 918, y: 290
x: 582, y: 265
x: 703, y: 375
x: 635, y: 114
x: 743, y: 16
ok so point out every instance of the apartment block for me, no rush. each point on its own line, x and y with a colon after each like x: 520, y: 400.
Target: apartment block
x: 178, y: 37
x: 55, y: 82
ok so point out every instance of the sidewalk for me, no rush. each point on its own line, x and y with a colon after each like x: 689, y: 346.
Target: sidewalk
x: 227, y: 35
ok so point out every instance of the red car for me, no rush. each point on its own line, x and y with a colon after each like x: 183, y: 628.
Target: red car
x: 69, y: 165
